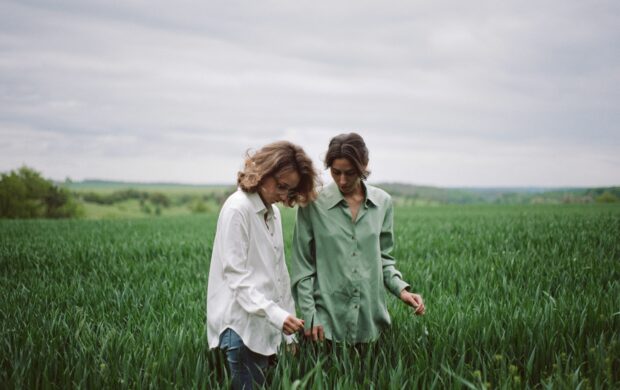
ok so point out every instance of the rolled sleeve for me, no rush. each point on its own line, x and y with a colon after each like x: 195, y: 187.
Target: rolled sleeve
x: 303, y: 266
x: 392, y: 278
x: 290, y: 339
x: 276, y: 316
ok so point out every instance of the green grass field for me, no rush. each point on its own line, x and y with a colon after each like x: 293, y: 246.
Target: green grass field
x: 517, y: 297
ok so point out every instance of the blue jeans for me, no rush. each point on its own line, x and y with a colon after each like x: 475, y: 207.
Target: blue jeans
x: 246, y: 367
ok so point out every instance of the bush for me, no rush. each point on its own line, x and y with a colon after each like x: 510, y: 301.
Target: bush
x: 26, y: 194
x: 159, y: 199
x: 198, y: 206
x: 156, y: 198
x: 607, y: 197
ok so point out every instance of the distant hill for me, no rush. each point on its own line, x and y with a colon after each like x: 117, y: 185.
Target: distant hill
x: 409, y: 194
x: 413, y: 194
x: 95, y: 185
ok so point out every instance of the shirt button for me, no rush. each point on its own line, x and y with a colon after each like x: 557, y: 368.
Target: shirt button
x: 353, y: 253
x: 355, y: 306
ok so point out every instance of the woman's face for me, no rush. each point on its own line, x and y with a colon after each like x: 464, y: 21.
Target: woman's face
x: 276, y: 188
x: 345, y: 175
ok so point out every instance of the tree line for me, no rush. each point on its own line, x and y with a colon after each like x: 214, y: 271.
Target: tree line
x: 157, y: 198
x: 24, y: 193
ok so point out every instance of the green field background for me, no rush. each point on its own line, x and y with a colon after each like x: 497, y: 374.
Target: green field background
x: 516, y: 296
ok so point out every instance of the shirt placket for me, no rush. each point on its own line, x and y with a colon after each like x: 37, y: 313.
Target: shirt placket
x: 354, y: 288
x: 270, y: 222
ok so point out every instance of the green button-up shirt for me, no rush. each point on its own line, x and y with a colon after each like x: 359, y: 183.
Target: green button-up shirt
x: 340, y: 267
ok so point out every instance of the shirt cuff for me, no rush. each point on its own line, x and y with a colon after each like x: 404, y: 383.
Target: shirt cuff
x: 290, y: 339
x: 276, y: 316
x: 308, y: 320
x: 397, y: 285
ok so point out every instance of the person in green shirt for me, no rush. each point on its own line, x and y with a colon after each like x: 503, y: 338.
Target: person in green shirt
x: 342, y: 248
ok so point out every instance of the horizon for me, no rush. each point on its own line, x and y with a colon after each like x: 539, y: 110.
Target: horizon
x: 232, y: 184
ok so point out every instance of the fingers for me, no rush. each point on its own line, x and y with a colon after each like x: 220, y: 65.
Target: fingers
x: 315, y: 334
x: 415, y: 301
x: 318, y: 334
x: 292, y: 325
x: 421, y: 309
x: 299, y: 324
x: 418, y: 305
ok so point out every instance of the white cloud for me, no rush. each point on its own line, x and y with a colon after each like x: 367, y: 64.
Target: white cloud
x: 446, y: 93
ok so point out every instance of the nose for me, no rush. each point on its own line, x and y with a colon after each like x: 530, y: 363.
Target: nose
x: 342, y: 180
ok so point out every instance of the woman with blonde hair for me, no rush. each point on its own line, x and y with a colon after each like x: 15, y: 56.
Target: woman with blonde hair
x: 250, y: 310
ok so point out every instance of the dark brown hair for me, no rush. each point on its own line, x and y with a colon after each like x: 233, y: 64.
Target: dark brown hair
x: 352, y: 147
x: 277, y: 158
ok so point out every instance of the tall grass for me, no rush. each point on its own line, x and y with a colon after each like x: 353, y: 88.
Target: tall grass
x: 516, y: 297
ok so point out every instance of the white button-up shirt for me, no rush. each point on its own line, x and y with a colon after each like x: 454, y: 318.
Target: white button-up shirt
x: 249, y: 287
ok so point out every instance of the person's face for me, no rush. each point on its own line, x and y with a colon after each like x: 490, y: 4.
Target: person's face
x: 276, y: 188
x: 345, y: 175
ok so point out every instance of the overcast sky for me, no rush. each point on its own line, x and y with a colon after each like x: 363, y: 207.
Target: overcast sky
x: 459, y: 93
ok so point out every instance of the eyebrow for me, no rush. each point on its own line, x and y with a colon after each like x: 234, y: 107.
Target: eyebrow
x: 347, y: 172
x: 283, y: 183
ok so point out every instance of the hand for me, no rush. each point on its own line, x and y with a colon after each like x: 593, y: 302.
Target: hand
x: 413, y: 300
x: 315, y: 334
x: 292, y: 324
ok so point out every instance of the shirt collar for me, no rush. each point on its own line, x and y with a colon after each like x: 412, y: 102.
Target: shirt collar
x: 259, y: 205
x: 371, y: 196
x: 333, y: 196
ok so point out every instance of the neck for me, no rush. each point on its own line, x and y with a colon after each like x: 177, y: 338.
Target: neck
x: 357, y: 192
x: 263, y: 199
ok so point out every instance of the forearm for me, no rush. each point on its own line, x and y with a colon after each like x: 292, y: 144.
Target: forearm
x: 303, y: 266
x: 392, y: 278
x: 256, y: 303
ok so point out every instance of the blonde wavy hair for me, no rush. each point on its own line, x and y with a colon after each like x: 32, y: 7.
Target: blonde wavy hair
x: 277, y: 158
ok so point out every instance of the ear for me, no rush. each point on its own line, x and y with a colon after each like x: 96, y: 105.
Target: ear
x: 365, y: 172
